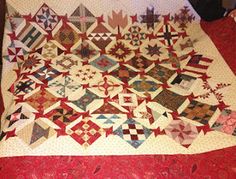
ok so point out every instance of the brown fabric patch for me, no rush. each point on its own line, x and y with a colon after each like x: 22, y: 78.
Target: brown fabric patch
x: 170, y: 99
x: 161, y: 73
x: 199, y: 112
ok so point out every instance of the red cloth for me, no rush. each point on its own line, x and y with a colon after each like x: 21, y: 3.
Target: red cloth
x: 215, y: 164
x: 223, y: 33
x: 1, y: 103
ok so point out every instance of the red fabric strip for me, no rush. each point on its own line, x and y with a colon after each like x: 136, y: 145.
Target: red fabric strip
x: 206, y: 60
x: 192, y: 71
x: 198, y: 66
x: 215, y: 164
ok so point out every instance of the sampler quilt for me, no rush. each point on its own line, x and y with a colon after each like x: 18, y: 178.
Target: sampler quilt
x: 121, y: 78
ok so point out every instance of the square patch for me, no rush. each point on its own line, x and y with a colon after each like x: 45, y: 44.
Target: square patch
x: 184, y: 82
x: 128, y: 99
x: 103, y: 63
x: 182, y: 132
x: 226, y: 122
x: 86, y: 132
x: 46, y: 74
x: 31, y: 36
x: 46, y: 18
x: 161, y: 73
x: 170, y: 99
x: 133, y: 132
x: 36, y: 133
x: 199, y: 112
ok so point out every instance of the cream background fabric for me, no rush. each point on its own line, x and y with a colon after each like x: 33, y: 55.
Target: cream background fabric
x: 219, y: 71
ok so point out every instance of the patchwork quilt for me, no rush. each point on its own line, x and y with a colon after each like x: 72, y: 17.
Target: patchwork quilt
x: 127, y: 77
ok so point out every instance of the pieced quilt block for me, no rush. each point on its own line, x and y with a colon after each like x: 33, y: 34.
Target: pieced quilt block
x: 15, y: 53
x: 150, y: 18
x: 40, y: 133
x: 101, y: 36
x: 85, y: 51
x: 226, y: 122
x: 30, y: 36
x: 161, y: 73
x: 133, y: 133
x: 45, y: 74
x: 82, y: 18
x: 86, y: 132
x: 199, y: 112
x: 182, y: 132
x: 170, y: 100
x: 103, y: 63
x: 46, y: 18
x: 41, y: 100
x: 135, y: 36
x: 66, y: 36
